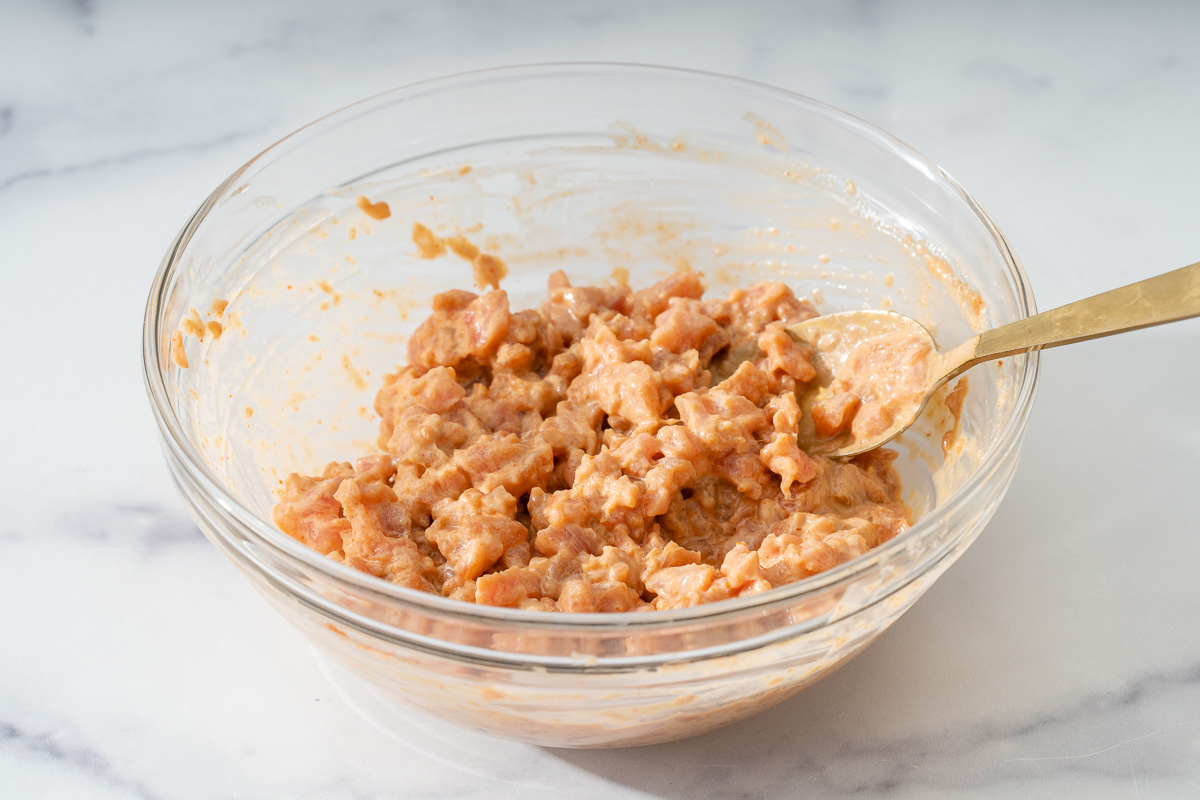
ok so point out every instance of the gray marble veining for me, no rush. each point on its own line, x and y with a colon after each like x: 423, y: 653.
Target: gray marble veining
x: 1058, y: 658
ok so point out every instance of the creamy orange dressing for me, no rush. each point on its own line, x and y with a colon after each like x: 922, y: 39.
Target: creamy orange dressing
x: 583, y: 457
x: 882, y: 381
x: 378, y: 210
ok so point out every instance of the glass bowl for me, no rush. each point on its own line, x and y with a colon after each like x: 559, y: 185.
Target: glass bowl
x: 587, y: 168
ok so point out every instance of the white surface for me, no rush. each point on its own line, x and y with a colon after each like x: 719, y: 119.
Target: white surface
x: 1060, y: 657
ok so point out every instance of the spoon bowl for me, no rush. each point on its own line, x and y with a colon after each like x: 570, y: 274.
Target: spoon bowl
x: 873, y: 373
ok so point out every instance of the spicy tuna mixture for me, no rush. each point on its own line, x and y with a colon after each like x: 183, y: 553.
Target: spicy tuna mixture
x: 581, y: 457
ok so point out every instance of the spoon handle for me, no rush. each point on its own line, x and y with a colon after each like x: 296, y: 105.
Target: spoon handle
x: 1154, y: 301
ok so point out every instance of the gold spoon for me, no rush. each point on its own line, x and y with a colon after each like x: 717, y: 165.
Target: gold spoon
x: 876, y: 370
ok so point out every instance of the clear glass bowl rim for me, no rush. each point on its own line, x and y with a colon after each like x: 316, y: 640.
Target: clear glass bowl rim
x: 265, y: 532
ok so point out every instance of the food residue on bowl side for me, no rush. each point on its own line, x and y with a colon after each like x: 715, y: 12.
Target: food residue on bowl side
x: 488, y: 269
x: 178, y: 353
x: 378, y: 210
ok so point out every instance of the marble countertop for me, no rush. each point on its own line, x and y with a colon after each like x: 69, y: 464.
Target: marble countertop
x: 1059, y: 658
